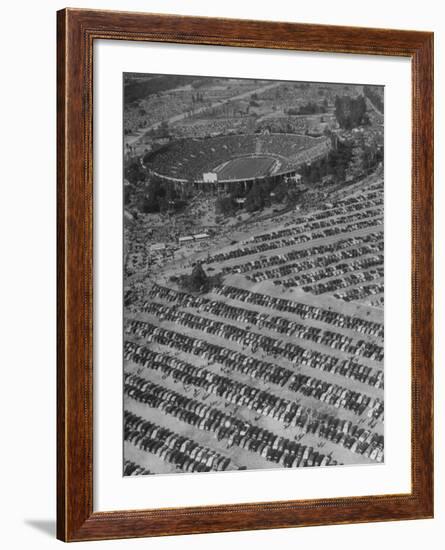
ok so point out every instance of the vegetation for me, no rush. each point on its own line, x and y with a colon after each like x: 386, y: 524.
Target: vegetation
x: 374, y: 97
x: 198, y: 281
x: 310, y: 108
x: 351, y: 112
x: 335, y: 165
x: 155, y: 195
x: 134, y: 172
x: 257, y: 196
x: 225, y: 206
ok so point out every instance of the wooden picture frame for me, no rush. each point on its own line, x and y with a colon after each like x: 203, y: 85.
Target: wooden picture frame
x: 76, y: 32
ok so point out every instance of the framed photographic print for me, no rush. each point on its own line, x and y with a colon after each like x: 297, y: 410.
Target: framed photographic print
x: 245, y: 227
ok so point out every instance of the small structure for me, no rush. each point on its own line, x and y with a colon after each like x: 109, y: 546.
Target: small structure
x: 294, y: 178
x: 209, y: 177
x: 201, y: 236
x: 185, y: 239
x: 240, y: 201
x: 157, y: 247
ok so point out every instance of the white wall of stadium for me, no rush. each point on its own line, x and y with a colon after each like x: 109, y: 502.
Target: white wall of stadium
x: 29, y: 465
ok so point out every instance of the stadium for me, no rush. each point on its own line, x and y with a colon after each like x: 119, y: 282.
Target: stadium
x: 235, y: 158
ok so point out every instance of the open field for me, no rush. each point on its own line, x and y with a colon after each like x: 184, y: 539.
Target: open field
x: 246, y: 168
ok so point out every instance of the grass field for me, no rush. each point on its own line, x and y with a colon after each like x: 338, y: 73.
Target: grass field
x: 250, y: 167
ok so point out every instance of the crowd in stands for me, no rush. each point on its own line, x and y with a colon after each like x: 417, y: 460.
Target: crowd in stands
x: 189, y: 158
x: 288, y: 145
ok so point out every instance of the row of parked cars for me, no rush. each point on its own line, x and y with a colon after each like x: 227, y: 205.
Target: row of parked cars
x: 326, y: 223
x: 238, y: 393
x: 182, y: 452
x: 340, y: 431
x: 133, y: 469
x: 267, y: 246
x: 337, y: 270
x: 318, y: 261
x: 361, y: 292
x: 305, y: 311
x: 336, y: 396
x: 351, y: 280
x: 265, y: 262
x: 268, y: 372
x: 236, y: 432
x: 282, y: 325
x: 254, y: 342
x: 349, y: 213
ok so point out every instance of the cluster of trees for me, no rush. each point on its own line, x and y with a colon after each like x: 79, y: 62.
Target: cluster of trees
x: 225, y: 205
x: 370, y: 155
x: 134, y: 172
x: 198, y: 281
x: 310, y: 108
x: 374, y: 97
x: 338, y: 160
x: 159, y: 196
x: 261, y: 194
x: 351, y: 112
x: 198, y: 97
x: 334, y: 165
x: 149, y: 194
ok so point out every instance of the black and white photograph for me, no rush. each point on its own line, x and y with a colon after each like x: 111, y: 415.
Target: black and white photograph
x: 253, y: 274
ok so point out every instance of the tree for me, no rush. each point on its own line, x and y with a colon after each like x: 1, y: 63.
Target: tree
x: 280, y: 191
x: 144, y: 205
x: 128, y: 194
x: 134, y: 172
x: 198, y: 279
x: 224, y: 206
x: 254, y: 198
x: 350, y: 112
x: 339, y: 159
